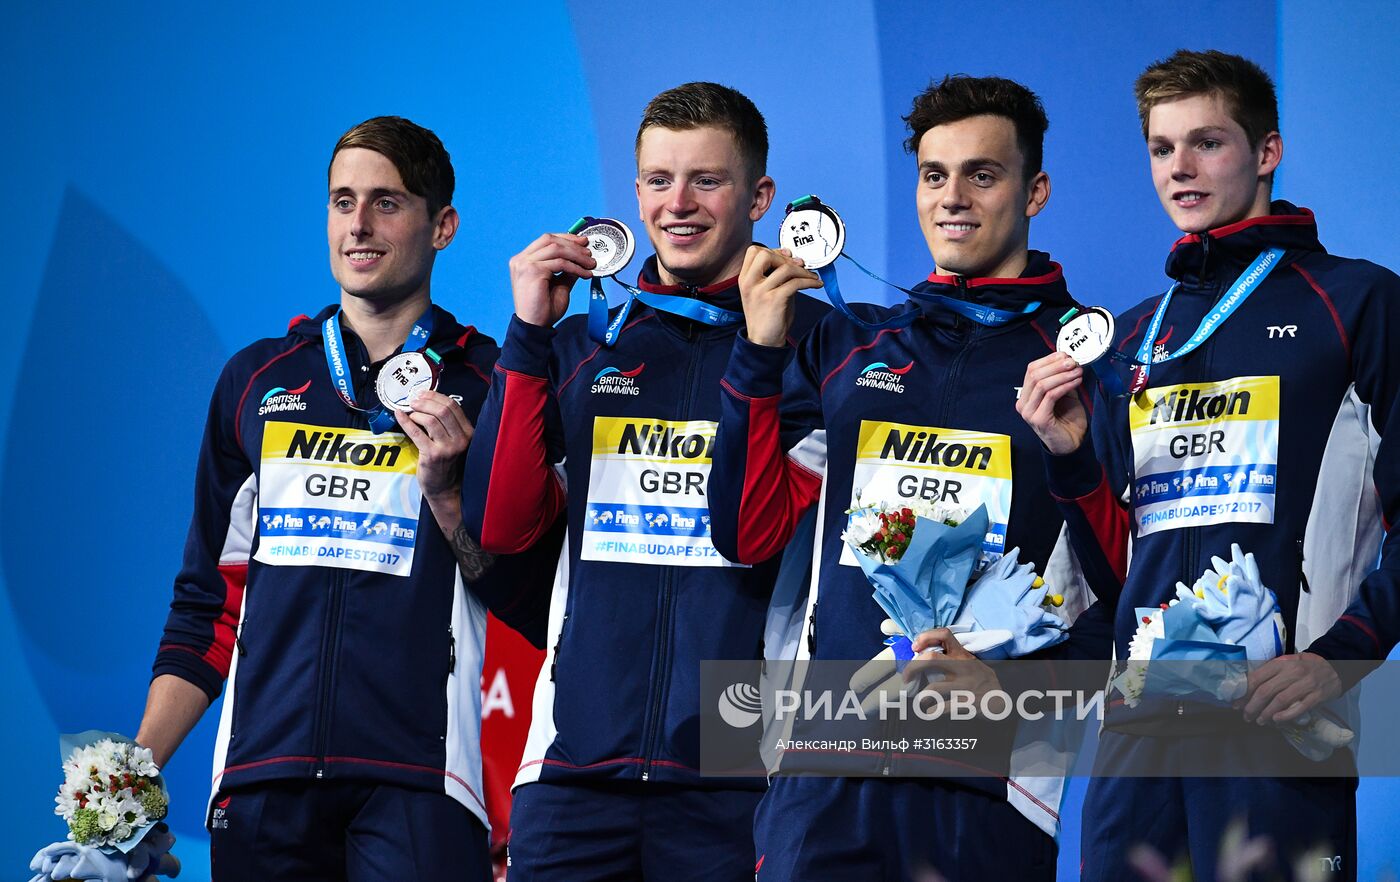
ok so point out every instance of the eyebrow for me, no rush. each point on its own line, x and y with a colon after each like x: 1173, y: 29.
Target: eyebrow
x: 967, y: 165
x: 711, y: 172
x: 378, y: 191
x: 1198, y: 132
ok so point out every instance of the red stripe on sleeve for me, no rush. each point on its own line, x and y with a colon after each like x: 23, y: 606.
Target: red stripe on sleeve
x: 1331, y: 308
x: 1109, y: 521
x: 219, y: 655
x: 777, y: 490
x: 1369, y: 631
x: 523, y: 496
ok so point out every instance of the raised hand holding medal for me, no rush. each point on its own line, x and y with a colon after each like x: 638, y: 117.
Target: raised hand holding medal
x: 814, y: 232
x: 403, y: 376
x: 612, y: 245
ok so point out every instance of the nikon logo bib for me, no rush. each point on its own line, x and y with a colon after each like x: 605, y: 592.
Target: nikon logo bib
x: 1205, y: 453
x: 897, y: 464
x: 338, y: 498
x: 646, y: 493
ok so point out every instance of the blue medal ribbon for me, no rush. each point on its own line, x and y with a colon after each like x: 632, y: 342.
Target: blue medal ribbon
x: 982, y: 314
x: 380, y: 419
x: 1233, y: 299
x: 605, y: 332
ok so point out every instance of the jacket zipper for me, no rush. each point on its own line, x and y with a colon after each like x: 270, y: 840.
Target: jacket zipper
x: 554, y: 665
x: 1190, y: 546
x: 662, y: 663
x: 451, y: 651
x: 330, y: 650
x: 955, y: 368
x: 812, y: 632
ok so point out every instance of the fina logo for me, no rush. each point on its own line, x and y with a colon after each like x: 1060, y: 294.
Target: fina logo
x: 615, y: 381
x: 279, y: 399
x: 878, y: 375
x: 740, y: 705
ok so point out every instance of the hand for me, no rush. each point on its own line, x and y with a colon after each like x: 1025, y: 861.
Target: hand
x: 1049, y: 402
x: 1283, y: 689
x: 940, y: 652
x: 542, y: 275
x: 441, y: 432
x: 768, y: 282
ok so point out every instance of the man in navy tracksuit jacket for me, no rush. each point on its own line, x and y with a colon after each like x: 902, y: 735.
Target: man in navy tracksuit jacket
x: 925, y: 410
x: 616, y: 441
x: 325, y: 572
x: 1298, y: 389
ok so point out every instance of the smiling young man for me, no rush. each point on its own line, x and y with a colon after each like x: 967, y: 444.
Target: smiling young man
x: 614, y: 439
x: 325, y: 571
x: 946, y: 365
x: 1296, y: 380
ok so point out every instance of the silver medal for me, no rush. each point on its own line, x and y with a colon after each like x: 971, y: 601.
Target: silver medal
x: 403, y: 378
x: 610, y: 243
x: 813, y: 232
x: 1086, y: 337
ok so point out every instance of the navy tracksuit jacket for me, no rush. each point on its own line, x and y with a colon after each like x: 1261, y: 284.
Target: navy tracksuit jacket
x: 925, y: 410
x: 1279, y: 434
x: 616, y: 442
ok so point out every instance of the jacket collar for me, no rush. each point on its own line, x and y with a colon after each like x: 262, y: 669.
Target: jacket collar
x: 724, y: 294
x: 1041, y: 280
x: 1223, y: 252
x: 447, y: 333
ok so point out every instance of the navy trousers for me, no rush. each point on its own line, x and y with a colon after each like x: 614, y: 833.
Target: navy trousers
x: 323, y: 831
x: 623, y: 830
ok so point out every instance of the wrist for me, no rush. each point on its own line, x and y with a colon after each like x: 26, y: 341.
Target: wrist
x: 773, y: 338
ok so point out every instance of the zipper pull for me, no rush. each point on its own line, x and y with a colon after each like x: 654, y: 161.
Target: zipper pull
x: 1302, y: 576
x: 554, y: 665
x: 238, y: 641
x: 451, y: 650
x: 812, y: 632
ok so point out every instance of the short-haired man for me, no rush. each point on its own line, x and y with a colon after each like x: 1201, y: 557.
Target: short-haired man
x: 616, y: 441
x: 315, y: 579
x: 1292, y: 387
x: 822, y: 432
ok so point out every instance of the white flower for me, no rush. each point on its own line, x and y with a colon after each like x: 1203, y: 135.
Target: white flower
x: 107, y: 819
x: 1134, y: 677
x: 121, y: 832
x: 143, y: 763
x: 940, y: 511
x: 862, y: 527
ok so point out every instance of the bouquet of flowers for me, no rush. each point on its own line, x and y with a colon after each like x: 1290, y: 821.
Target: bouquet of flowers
x: 1226, y: 619
x: 921, y: 559
x: 112, y: 792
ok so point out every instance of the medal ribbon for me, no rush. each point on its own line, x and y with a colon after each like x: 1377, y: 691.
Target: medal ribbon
x: 988, y: 316
x: 1239, y: 292
x: 605, y: 332
x: 600, y: 330
x: 380, y: 419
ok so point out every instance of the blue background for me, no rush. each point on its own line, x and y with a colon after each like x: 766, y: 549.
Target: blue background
x: 165, y: 195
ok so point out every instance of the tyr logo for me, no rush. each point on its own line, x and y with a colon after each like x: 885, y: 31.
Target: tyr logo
x: 1280, y: 331
x: 1332, y: 864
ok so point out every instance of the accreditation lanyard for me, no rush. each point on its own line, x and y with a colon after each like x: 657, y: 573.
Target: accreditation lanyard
x: 380, y: 419
x: 980, y: 313
x: 605, y: 332
x: 1245, y: 285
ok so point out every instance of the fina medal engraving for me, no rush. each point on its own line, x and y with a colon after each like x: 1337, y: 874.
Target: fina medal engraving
x: 403, y: 378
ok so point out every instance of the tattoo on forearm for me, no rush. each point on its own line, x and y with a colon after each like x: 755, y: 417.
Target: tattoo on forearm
x: 472, y: 561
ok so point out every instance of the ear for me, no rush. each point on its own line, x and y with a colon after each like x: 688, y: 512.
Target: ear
x: 446, y: 227
x: 1270, y: 153
x: 763, y: 192
x: 1037, y: 194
